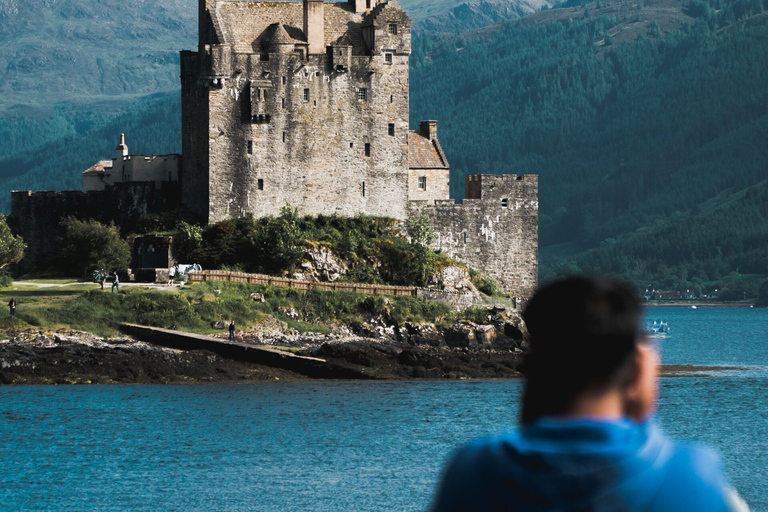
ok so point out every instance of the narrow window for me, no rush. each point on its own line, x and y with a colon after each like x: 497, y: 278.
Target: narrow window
x: 317, y: 73
x: 388, y: 58
x: 367, y: 4
x: 265, y: 95
x: 306, y: 94
x: 465, y: 237
x: 283, y: 136
x: 351, y: 144
x: 391, y: 129
x: 422, y: 183
x: 260, y: 184
x: 393, y: 29
x: 363, y: 189
x: 505, y: 203
x: 250, y: 147
x: 367, y: 149
x: 282, y: 102
x: 362, y: 94
x: 284, y: 80
x: 391, y: 98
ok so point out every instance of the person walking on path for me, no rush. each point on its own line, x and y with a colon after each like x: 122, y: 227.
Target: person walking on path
x: 171, y: 275
x: 116, y: 282
x: 232, y: 331
x: 587, y: 439
x: 12, y: 306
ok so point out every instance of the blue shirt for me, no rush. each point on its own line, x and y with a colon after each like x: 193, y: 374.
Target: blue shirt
x: 583, y: 465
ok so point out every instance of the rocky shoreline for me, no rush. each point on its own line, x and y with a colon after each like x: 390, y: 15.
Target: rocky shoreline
x: 376, y: 349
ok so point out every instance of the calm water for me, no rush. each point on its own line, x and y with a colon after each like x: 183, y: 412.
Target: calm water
x: 338, y: 446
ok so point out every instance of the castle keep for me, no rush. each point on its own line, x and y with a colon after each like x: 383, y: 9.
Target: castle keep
x: 302, y: 103
x: 306, y: 103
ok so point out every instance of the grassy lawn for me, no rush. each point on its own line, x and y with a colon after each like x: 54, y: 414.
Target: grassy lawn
x: 196, y: 307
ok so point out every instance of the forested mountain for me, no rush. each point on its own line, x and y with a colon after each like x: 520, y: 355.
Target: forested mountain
x: 640, y: 120
x: 647, y: 124
x: 70, y: 65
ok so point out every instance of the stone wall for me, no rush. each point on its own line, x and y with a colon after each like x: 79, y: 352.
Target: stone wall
x: 495, y: 233
x: 36, y: 216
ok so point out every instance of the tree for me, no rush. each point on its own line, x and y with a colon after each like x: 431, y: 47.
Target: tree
x: 87, y: 245
x: 11, y: 246
x: 420, y: 231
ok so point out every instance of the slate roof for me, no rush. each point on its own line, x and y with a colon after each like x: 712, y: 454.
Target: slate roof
x: 424, y: 153
x: 279, y: 35
x: 244, y: 25
x: 98, y: 167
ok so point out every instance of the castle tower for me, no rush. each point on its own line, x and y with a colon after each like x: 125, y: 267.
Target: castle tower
x: 302, y: 103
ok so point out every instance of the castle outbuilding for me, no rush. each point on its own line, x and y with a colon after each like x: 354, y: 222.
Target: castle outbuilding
x: 126, y: 168
x: 306, y: 103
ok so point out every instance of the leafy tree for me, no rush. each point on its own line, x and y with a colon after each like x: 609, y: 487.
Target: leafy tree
x: 11, y: 246
x: 420, y: 231
x: 87, y: 245
x: 280, y: 244
x: 188, y: 238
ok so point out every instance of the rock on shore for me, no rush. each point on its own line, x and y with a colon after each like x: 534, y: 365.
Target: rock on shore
x: 74, y: 357
x: 377, y: 349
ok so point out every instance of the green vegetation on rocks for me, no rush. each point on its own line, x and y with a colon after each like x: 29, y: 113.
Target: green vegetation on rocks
x: 373, y: 248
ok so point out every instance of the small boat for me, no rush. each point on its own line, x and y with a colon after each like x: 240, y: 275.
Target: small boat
x: 658, y: 329
x: 694, y: 307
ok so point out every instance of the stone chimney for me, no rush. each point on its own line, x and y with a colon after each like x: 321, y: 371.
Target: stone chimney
x: 314, y: 25
x: 363, y: 5
x: 429, y: 129
x: 122, y: 149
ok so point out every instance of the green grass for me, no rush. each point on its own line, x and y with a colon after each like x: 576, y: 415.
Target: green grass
x: 195, y: 307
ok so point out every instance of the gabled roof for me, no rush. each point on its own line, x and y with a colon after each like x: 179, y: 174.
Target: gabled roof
x: 424, y: 153
x: 98, y: 167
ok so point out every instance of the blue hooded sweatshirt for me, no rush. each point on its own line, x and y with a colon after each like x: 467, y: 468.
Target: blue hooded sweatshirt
x: 583, y: 465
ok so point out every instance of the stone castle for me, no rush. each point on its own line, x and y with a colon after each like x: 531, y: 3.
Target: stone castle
x: 306, y: 103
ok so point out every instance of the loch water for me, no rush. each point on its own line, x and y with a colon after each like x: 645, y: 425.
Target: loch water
x: 341, y: 446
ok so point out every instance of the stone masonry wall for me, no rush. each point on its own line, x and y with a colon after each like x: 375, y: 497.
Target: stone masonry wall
x: 500, y: 241
x: 36, y: 216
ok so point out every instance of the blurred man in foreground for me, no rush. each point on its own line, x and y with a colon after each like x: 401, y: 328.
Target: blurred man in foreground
x: 586, y: 441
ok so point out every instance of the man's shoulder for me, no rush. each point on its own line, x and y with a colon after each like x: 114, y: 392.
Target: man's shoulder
x: 693, y: 480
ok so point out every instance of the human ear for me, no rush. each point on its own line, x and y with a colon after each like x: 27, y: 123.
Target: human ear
x: 641, y: 389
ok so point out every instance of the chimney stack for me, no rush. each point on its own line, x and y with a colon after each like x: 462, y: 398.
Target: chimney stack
x: 429, y: 129
x: 122, y: 149
x: 362, y: 5
x: 314, y: 25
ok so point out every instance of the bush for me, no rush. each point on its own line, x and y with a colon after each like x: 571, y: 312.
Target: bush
x: 87, y: 245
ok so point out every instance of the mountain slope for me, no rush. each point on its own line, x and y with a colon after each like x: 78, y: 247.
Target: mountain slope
x: 630, y: 116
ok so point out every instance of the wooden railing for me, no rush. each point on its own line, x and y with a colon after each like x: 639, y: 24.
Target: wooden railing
x: 242, y: 277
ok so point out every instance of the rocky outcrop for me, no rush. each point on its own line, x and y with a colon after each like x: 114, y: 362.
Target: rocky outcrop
x: 321, y: 264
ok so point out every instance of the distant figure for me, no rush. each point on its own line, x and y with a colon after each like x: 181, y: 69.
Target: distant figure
x: 12, y: 306
x: 116, y: 282
x: 587, y: 440
x: 171, y: 275
x: 232, y: 331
